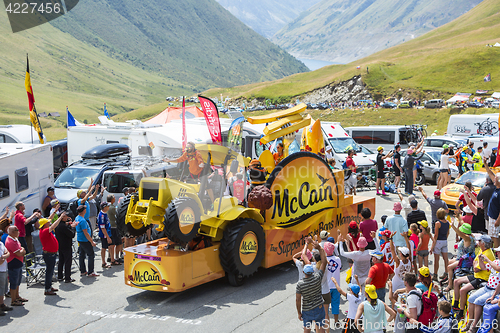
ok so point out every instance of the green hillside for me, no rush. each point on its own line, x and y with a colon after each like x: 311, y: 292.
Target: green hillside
x: 448, y: 59
x: 342, y: 31
x: 197, y: 43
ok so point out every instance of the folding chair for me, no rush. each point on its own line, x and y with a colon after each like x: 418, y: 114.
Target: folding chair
x: 35, y: 272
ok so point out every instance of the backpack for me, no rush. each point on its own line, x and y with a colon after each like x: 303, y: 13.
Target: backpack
x: 429, y: 306
x: 72, y: 208
x: 466, y: 261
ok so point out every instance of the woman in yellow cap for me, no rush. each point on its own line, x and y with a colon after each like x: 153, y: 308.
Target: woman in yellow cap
x: 373, y: 311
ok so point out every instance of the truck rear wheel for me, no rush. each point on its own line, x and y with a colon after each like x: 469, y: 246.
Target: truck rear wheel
x: 182, y: 220
x: 242, y: 249
x: 127, y: 229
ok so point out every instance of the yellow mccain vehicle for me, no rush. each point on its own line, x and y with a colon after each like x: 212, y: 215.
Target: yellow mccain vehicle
x: 305, y: 197
x: 450, y: 193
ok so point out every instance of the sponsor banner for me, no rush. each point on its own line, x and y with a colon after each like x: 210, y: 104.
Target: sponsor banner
x: 212, y: 118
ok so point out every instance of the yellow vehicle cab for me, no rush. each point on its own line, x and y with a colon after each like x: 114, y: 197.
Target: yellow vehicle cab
x: 450, y: 193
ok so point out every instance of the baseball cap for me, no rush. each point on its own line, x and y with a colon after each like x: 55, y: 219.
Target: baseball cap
x: 354, y: 288
x: 371, y: 291
x: 424, y: 223
x: 497, y: 249
x: 308, y: 269
x: 494, y: 148
x: 54, y: 202
x: 362, y: 242
x: 79, y: 193
x: 330, y: 239
x: 397, y: 207
x: 42, y: 222
x: 424, y: 271
x: 404, y: 251
x: 437, y: 193
x: 379, y: 148
x: 105, y: 204
x: 50, y: 188
x: 329, y: 247
x: 323, y: 234
x: 386, y: 233
x: 484, y: 238
x: 467, y: 210
x: 353, y: 224
x: 377, y: 254
x: 465, y: 228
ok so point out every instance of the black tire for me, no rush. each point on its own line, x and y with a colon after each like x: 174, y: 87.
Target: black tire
x: 127, y: 229
x: 420, y: 179
x: 172, y: 222
x: 230, y: 249
x: 435, y: 177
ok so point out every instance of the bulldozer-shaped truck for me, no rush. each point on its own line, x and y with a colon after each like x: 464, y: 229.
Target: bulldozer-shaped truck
x: 203, y: 239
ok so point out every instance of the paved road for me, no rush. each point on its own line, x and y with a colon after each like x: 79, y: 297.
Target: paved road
x: 266, y: 303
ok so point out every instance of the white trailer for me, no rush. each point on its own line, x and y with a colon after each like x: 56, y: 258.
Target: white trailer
x: 26, y: 171
x: 472, y: 124
x: 18, y: 134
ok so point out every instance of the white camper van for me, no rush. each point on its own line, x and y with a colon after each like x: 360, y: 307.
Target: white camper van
x: 18, y: 134
x: 472, y: 124
x: 373, y: 136
x: 336, y: 137
x: 26, y: 171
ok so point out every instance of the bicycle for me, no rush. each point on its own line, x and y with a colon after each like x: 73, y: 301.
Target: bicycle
x: 487, y: 127
x: 415, y: 133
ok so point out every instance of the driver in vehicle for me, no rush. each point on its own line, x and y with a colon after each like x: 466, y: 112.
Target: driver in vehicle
x: 194, y: 158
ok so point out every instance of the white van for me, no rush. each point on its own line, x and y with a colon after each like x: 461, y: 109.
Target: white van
x: 336, y: 137
x: 495, y: 104
x: 26, y: 171
x: 472, y: 124
x: 374, y: 136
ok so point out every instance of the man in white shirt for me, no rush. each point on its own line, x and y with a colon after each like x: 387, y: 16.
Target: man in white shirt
x: 413, y: 307
x: 486, y: 153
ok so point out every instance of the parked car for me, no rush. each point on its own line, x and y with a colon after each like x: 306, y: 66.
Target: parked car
x: 439, y: 140
x: 389, y: 105
x: 475, y: 104
x: 434, y: 103
x: 495, y: 104
x: 404, y: 105
x: 431, y: 160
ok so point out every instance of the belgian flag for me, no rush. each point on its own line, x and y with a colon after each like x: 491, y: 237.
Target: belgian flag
x: 31, y: 100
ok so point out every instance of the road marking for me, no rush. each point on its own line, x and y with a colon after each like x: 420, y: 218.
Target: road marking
x: 168, y: 299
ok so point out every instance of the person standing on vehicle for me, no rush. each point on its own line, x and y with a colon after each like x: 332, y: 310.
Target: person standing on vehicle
x: 278, y: 156
x: 352, y: 181
x: 398, y: 170
x: 194, y: 158
x: 380, y: 170
x: 408, y: 167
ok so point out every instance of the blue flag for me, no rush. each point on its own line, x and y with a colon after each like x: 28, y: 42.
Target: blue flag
x: 106, y: 111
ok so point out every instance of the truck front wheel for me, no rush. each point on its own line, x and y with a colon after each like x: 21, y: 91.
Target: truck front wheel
x: 182, y: 220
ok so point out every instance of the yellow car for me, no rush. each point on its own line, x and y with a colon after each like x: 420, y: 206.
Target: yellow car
x: 450, y: 193
x: 404, y: 105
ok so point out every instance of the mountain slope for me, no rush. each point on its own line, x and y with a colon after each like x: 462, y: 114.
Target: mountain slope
x: 266, y: 16
x: 195, y: 42
x: 448, y: 59
x: 343, y: 31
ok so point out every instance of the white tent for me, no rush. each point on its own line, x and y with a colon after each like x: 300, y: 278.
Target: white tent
x: 496, y: 95
x: 457, y: 98
x: 497, y: 44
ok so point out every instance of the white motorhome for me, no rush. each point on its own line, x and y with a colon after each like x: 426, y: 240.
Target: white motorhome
x: 26, y: 171
x: 337, y: 137
x: 374, y: 136
x: 472, y: 124
x: 143, y: 139
x: 18, y: 134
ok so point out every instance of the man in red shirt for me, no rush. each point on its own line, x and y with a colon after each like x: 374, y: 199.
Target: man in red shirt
x: 352, y: 180
x: 15, y: 265
x: 20, y: 221
x: 379, y: 273
x: 50, y: 247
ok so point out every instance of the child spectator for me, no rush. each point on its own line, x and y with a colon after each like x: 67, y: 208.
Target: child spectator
x: 423, y: 244
x: 414, y: 244
x: 353, y: 236
x: 354, y: 298
x: 299, y: 262
x: 385, y: 248
x: 333, y: 272
x: 105, y: 233
x: 444, y: 324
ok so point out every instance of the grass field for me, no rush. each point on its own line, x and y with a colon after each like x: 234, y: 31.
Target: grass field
x: 452, y: 58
